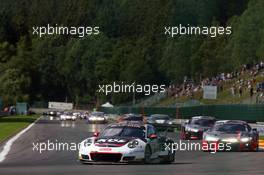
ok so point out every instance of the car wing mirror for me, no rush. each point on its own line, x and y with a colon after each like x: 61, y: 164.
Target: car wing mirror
x: 96, y: 134
x: 153, y: 136
x: 255, y: 130
x: 206, y: 129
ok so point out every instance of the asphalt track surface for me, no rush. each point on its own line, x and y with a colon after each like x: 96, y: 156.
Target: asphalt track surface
x: 23, y: 160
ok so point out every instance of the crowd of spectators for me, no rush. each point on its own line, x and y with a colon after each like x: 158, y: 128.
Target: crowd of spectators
x: 189, y: 88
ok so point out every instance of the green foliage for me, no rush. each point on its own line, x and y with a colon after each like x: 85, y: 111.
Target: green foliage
x: 130, y: 48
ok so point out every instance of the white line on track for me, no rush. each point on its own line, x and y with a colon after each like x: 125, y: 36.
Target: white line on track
x: 10, y: 142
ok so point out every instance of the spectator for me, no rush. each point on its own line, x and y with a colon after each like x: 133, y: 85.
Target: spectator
x: 240, y: 90
x: 251, y: 91
x: 233, y: 91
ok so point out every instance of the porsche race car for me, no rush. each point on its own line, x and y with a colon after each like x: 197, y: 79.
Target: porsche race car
x: 126, y: 142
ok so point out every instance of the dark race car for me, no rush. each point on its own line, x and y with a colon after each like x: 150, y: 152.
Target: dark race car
x: 232, y: 135
x: 131, y: 117
x: 50, y: 113
x: 159, y: 119
x: 193, y: 129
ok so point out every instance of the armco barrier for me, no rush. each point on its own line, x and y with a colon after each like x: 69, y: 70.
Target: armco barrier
x: 1, y: 104
x: 224, y: 112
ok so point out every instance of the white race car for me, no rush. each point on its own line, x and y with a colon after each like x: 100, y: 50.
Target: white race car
x: 126, y: 142
x: 67, y: 116
x: 97, y: 117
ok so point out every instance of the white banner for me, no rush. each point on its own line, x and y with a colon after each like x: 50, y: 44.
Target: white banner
x: 60, y: 105
x: 210, y: 92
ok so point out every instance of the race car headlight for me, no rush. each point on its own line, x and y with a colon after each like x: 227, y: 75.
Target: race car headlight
x: 211, y: 138
x: 230, y: 140
x: 96, y: 118
x: 246, y: 139
x: 133, y: 144
x: 193, y: 129
x: 187, y: 129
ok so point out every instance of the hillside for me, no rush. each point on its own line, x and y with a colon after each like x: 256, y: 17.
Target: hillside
x: 224, y: 95
x: 131, y: 46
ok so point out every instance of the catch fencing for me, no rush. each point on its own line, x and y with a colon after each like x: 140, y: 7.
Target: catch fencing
x: 223, y: 112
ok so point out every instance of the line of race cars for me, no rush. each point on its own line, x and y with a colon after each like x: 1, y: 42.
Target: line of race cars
x: 98, y: 117
x: 135, y: 138
x: 91, y: 117
x: 238, y: 134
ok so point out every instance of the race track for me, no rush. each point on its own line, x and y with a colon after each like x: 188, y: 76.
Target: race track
x: 23, y: 160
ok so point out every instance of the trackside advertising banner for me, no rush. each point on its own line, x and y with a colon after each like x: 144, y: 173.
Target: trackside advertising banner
x: 60, y: 105
x: 210, y: 92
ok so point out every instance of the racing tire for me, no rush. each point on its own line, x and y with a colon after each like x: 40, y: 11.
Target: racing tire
x: 256, y: 149
x: 182, y: 136
x: 169, y: 158
x: 147, y: 155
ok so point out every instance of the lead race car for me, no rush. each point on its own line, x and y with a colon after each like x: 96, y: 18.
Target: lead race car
x: 126, y: 142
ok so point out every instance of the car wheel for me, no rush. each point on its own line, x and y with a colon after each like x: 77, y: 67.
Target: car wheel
x: 148, y: 153
x: 256, y: 148
x: 169, y: 158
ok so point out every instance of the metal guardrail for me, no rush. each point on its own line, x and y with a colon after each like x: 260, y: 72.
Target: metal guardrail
x: 3, y: 114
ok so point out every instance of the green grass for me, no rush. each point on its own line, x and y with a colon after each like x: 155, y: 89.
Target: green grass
x: 13, y: 124
x: 261, y: 137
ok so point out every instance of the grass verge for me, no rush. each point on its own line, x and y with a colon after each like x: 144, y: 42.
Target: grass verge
x: 11, y: 125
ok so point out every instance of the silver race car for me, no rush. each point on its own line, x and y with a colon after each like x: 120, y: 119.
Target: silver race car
x: 232, y: 135
x: 67, y: 116
x: 97, y: 117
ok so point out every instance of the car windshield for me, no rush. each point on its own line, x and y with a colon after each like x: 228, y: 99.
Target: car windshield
x: 133, y: 118
x: 161, y: 117
x: 98, y: 114
x: 123, y: 132
x: 233, y: 128
x: 203, y: 122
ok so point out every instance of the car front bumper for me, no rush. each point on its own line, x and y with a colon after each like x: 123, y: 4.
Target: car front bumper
x: 227, y: 146
x: 193, y: 135
x: 106, y: 154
